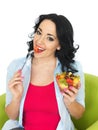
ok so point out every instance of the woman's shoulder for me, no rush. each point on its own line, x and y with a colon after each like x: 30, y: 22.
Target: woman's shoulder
x: 77, y: 63
x: 17, y: 60
x: 16, y: 63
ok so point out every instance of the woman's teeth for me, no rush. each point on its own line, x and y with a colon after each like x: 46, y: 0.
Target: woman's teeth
x: 38, y: 49
x: 41, y: 49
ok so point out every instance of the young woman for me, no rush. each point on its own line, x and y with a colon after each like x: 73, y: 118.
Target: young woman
x: 33, y: 94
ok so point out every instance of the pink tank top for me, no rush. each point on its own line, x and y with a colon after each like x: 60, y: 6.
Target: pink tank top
x: 40, y: 108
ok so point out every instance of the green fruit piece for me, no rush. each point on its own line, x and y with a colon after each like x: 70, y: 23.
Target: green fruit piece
x: 62, y: 83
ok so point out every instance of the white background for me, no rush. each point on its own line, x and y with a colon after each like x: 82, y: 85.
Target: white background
x: 17, y: 19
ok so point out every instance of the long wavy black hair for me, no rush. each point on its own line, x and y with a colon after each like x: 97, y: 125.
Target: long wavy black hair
x: 65, y: 34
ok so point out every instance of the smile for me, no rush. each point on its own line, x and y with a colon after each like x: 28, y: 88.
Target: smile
x: 38, y: 49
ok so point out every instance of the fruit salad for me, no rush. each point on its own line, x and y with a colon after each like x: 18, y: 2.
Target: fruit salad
x: 67, y: 79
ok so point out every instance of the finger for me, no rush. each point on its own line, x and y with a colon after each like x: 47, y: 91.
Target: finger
x: 18, y: 73
x: 66, y: 96
x: 73, y: 89
x: 15, y: 80
x: 79, y: 85
x: 13, y: 84
x: 68, y: 92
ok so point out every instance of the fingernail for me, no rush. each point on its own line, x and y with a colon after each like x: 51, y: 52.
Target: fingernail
x: 20, y: 71
x: 22, y: 77
x: 70, y: 87
x: 65, y: 89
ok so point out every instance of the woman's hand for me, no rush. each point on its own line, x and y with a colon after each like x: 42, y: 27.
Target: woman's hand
x: 70, y: 95
x: 16, y: 85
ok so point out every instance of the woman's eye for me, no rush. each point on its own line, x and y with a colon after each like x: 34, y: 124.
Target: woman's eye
x: 50, y: 39
x: 38, y: 32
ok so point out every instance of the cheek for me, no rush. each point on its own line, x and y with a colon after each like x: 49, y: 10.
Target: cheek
x: 34, y: 41
x: 52, y: 48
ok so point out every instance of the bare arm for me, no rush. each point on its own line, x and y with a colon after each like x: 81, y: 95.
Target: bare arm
x: 75, y: 109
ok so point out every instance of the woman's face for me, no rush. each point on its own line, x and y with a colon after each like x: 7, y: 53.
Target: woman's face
x: 45, y: 40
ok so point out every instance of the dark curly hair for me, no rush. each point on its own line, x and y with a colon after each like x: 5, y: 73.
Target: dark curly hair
x: 64, y: 32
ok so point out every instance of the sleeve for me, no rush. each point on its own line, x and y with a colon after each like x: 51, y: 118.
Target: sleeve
x: 8, y: 77
x: 81, y: 93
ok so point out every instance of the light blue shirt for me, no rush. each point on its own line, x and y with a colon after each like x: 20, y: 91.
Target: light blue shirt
x: 65, y: 122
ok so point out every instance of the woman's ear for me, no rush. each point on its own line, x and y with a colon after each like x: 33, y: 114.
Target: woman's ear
x: 58, y: 48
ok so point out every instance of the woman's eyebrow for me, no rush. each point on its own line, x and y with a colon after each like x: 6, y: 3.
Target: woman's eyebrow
x: 48, y: 33
x: 40, y: 29
x: 51, y: 35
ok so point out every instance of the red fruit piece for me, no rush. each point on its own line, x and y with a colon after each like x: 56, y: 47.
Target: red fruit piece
x: 36, y: 49
x: 58, y: 77
x: 69, y: 81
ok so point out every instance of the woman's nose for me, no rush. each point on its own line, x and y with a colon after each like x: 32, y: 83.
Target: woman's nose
x: 40, y: 39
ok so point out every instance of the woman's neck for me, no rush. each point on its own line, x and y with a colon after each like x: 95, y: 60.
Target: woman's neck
x: 43, y: 61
